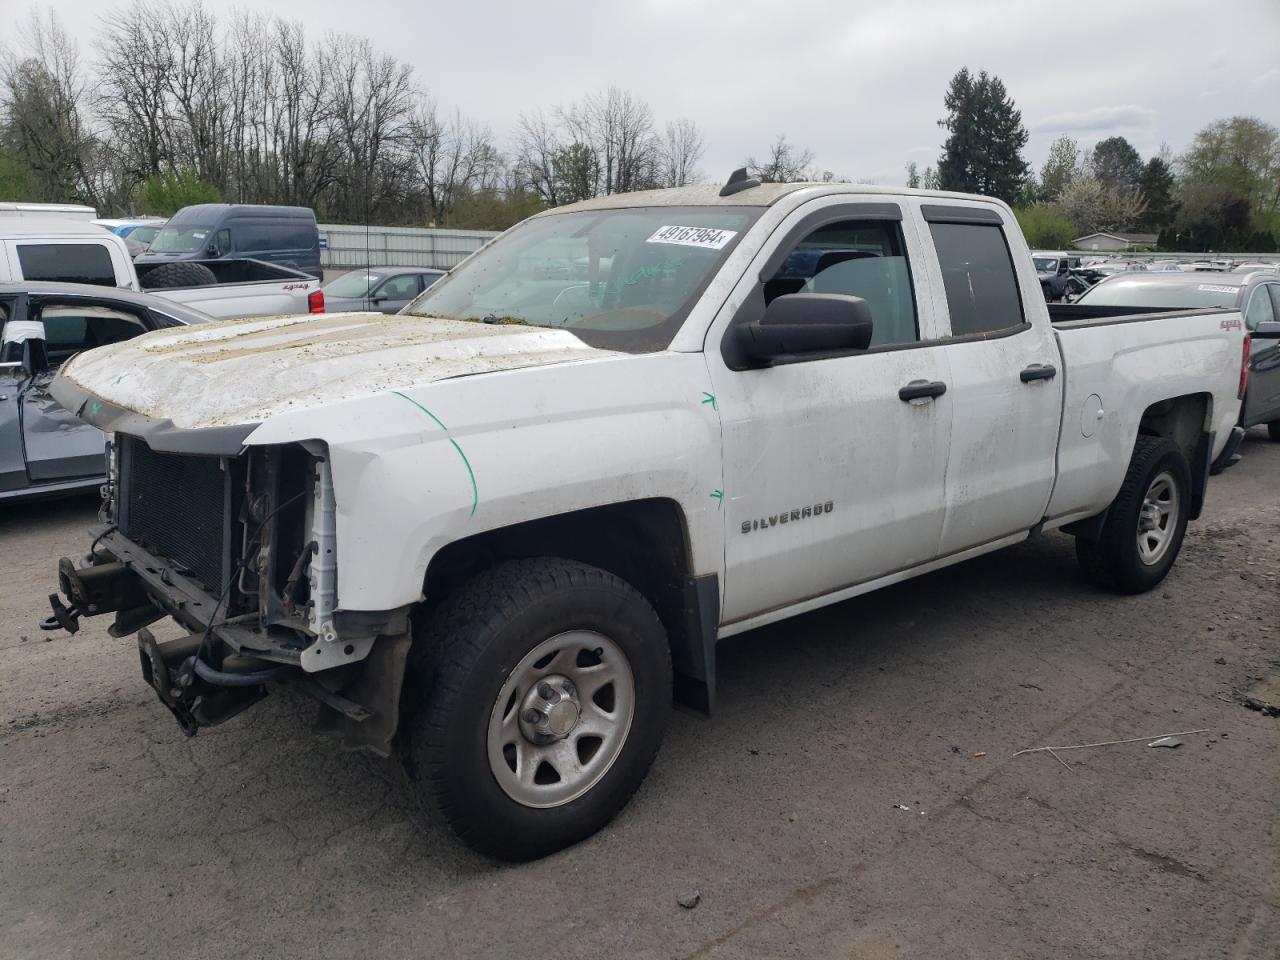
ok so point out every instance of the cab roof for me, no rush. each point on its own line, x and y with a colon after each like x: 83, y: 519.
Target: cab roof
x: 761, y: 195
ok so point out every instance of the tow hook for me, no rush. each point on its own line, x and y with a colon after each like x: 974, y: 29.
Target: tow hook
x: 63, y: 617
x: 172, y: 685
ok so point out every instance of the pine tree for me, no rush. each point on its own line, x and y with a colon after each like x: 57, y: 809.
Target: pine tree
x: 983, y: 152
x: 1157, y: 187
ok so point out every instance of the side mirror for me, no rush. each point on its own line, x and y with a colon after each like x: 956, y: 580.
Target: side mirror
x: 1267, y: 330
x: 379, y: 297
x: 797, y: 324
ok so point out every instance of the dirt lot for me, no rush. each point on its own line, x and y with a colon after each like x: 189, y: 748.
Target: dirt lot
x: 833, y: 807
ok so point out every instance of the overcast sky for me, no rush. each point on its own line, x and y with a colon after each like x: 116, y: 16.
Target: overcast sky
x: 859, y: 83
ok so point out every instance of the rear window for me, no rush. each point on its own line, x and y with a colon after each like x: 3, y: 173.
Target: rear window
x: 67, y: 262
x: 978, y: 276
x: 1126, y: 292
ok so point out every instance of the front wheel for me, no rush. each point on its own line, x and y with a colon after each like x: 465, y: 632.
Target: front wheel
x: 548, y: 699
x: 1145, y: 523
x: 1273, y: 430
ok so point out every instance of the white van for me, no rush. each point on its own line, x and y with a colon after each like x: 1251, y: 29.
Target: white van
x: 63, y: 211
x: 70, y: 251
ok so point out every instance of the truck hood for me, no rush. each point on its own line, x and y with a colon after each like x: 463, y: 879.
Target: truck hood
x: 243, y: 371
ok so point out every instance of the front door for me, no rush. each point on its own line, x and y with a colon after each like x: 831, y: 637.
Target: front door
x: 58, y: 445
x: 394, y: 293
x: 833, y: 474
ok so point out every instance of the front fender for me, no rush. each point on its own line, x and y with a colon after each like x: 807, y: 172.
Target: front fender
x: 420, y: 468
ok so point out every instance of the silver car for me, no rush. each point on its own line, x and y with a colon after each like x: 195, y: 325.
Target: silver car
x: 386, y: 289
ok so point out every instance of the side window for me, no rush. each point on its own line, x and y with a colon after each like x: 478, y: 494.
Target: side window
x: 427, y: 279
x: 403, y: 287
x: 67, y: 262
x: 859, y: 258
x: 1275, y: 297
x: 220, y: 246
x: 978, y: 276
x: 1260, y: 309
x: 72, y: 327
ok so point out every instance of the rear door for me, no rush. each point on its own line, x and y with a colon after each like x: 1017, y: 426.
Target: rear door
x: 1005, y: 388
x: 57, y: 444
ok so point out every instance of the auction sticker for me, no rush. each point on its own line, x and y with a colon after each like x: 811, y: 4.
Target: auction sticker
x: 1216, y: 288
x: 709, y: 238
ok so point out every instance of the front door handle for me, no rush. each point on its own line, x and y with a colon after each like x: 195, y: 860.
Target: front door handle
x: 1039, y: 371
x: 922, y: 390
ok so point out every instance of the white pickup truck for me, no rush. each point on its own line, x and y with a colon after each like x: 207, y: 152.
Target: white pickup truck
x: 505, y: 528
x: 70, y: 251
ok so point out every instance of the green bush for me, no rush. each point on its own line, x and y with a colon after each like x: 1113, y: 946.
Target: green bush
x: 1045, y: 227
x: 166, y: 194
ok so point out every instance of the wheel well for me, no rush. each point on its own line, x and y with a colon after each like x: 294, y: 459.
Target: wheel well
x: 645, y: 542
x: 1185, y: 421
x: 1181, y: 419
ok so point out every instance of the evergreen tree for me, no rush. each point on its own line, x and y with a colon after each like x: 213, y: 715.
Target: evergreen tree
x: 983, y: 152
x: 1117, y: 164
x: 1156, y: 184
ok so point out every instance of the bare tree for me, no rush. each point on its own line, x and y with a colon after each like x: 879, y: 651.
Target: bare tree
x: 538, y: 143
x: 372, y: 99
x: 784, y: 163
x: 451, y: 157
x: 681, y: 153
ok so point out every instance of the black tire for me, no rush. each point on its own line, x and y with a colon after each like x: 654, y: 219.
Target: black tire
x: 470, y: 646
x: 1113, y: 560
x: 178, y: 274
x: 1273, y: 430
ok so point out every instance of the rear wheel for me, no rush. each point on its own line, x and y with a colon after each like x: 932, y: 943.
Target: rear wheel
x: 548, y: 698
x: 1145, y: 523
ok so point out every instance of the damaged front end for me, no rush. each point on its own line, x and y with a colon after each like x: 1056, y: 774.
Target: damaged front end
x: 239, y: 548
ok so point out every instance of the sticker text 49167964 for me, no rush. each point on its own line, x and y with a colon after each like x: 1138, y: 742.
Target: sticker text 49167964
x: 709, y: 238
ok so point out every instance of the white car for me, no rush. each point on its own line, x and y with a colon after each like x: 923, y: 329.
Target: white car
x: 521, y: 514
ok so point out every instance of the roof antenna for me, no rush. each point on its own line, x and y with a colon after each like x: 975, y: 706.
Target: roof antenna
x: 737, y: 182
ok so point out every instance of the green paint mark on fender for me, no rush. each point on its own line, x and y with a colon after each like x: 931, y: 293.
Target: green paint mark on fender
x: 94, y: 408
x: 118, y: 379
x: 718, y: 496
x: 711, y: 399
x: 475, y: 491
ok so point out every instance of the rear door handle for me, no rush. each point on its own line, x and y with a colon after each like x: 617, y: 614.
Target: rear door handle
x: 1039, y: 371
x: 922, y: 390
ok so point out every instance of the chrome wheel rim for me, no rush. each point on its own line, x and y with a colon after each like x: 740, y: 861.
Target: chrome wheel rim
x: 561, y: 719
x: 1157, y: 519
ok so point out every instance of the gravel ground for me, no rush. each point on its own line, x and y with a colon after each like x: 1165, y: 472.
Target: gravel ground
x: 854, y: 796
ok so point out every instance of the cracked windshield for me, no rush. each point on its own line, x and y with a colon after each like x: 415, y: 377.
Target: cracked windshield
x: 618, y: 279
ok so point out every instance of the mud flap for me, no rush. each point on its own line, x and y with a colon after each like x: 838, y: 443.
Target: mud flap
x: 377, y: 689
